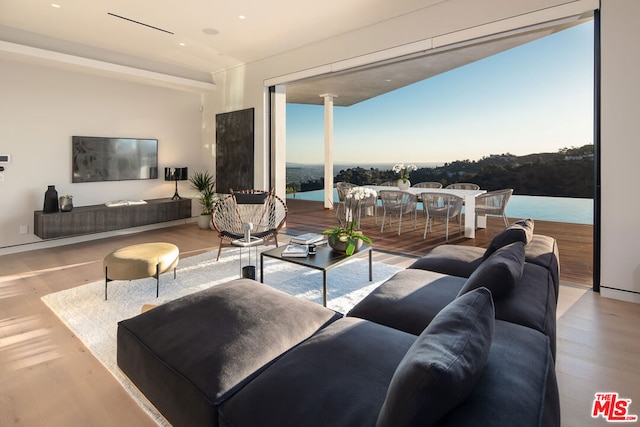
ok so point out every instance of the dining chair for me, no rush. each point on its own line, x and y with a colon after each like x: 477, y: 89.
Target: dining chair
x: 369, y: 205
x: 343, y: 188
x: 389, y: 184
x: 494, y: 203
x: 463, y: 186
x: 439, y: 205
x: 398, y: 203
x: 428, y: 185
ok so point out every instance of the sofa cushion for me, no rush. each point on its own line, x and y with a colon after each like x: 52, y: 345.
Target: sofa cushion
x: 519, y: 231
x: 461, y: 261
x: 409, y: 300
x: 532, y: 303
x: 499, y: 273
x: 518, y: 386
x: 339, y: 377
x: 190, y: 354
x: 443, y: 364
x: 456, y: 260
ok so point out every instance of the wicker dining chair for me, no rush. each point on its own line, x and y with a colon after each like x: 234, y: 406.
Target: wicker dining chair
x: 439, y: 205
x: 370, y: 205
x: 494, y: 203
x: 263, y: 209
x: 346, y: 206
x: 343, y: 188
x: 463, y: 186
x: 398, y: 203
x: 389, y: 184
x: 428, y: 185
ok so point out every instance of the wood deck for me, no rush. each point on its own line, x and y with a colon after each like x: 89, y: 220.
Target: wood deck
x: 575, y: 241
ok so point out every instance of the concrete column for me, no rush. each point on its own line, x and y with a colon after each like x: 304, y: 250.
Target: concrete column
x: 279, y: 141
x: 328, y: 149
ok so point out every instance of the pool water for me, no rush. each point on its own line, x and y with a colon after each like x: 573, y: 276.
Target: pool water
x: 558, y: 209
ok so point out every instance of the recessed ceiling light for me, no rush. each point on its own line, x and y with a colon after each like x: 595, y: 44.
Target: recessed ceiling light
x: 57, y: 6
x: 182, y: 44
x: 210, y: 31
x: 242, y: 17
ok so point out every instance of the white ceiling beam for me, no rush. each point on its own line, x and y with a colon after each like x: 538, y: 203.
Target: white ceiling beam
x: 101, y: 67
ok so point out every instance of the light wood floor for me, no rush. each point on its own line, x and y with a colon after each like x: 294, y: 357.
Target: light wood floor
x: 48, y: 377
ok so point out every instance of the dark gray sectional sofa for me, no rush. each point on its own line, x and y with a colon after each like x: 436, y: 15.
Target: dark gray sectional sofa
x: 425, y: 348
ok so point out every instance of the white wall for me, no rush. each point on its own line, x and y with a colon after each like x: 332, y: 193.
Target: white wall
x: 42, y: 107
x: 620, y: 149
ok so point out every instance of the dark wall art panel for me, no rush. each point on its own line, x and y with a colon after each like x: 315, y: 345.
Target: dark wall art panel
x: 234, y: 150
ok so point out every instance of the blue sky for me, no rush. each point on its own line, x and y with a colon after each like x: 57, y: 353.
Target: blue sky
x: 537, y: 97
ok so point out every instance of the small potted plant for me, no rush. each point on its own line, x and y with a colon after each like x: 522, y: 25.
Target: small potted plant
x: 66, y: 202
x: 203, y: 182
x: 404, y: 170
x: 346, y: 237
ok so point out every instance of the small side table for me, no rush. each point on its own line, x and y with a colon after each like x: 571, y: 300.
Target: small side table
x: 249, y: 270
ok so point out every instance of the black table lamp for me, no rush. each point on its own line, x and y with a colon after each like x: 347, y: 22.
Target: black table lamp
x: 176, y: 174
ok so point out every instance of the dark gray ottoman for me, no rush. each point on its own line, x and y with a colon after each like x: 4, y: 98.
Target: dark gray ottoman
x: 190, y: 355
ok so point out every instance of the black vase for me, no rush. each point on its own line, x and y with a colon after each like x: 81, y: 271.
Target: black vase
x: 51, y: 200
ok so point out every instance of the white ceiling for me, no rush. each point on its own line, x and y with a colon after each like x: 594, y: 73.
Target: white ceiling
x: 86, y: 28
x: 195, y: 38
x: 364, y: 83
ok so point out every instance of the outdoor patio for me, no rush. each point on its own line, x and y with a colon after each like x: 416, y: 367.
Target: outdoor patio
x: 575, y: 241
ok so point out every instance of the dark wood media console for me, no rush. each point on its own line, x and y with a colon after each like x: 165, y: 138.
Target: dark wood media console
x: 100, y: 218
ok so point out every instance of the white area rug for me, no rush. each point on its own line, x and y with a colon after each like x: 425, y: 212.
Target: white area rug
x: 568, y: 295
x: 94, y: 320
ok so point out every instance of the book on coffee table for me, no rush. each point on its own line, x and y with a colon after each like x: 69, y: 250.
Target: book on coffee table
x: 296, y: 251
x: 307, y: 239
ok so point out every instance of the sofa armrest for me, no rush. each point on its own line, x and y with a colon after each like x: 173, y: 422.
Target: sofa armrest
x: 543, y: 251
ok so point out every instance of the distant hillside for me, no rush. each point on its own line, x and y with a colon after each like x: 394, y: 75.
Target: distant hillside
x: 567, y: 173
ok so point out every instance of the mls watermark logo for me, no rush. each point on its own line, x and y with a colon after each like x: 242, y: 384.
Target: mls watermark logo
x: 612, y: 408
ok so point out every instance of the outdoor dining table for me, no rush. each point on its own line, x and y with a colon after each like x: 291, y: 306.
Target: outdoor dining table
x: 469, y: 197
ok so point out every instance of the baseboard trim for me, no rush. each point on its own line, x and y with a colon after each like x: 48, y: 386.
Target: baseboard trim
x: 62, y: 241
x: 620, y: 294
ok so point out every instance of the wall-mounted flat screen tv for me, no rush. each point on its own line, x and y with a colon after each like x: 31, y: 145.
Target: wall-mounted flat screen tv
x: 113, y: 159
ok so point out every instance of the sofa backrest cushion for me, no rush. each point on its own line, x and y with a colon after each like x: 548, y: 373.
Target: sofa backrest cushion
x: 519, y: 231
x: 456, y: 260
x: 500, y: 272
x: 443, y: 365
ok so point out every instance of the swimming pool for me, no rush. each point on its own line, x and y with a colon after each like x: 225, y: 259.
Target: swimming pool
x: 558, y: 209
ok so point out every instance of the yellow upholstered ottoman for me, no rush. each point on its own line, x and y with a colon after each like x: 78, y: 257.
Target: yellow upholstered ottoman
x: 140, y: 261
